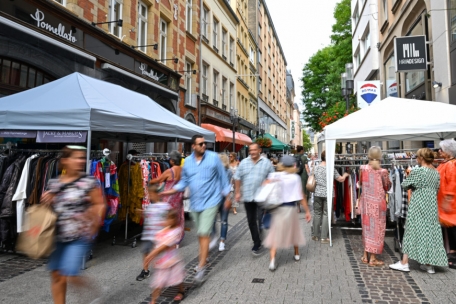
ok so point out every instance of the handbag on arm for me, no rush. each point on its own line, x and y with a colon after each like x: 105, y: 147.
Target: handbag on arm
x: 358, y: 199
x: 311, y: 182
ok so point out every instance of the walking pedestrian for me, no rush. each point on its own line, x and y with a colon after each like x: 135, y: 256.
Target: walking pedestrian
x: 374, y: 183
x: 205, y: 176
x: 249, y: 176
x: 285, y: 230
x: 320, y: 204
x: 169, y: 269
x: 423, y: 239
x: 154, y: 220
x: 78, y: 202
x: 234, y: 163
x: 171, y: 177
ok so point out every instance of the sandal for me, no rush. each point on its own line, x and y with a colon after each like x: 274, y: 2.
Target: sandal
x: 376, y: 263
x: 179, y: 297
x: 315, y: 238
x: 364, y: 260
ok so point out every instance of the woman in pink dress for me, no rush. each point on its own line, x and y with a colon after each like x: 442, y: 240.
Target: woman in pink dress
x: 374, y: 183
x: 172, y: 177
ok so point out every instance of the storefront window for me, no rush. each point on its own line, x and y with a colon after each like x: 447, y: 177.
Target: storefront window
x: 16, y: 76
x: 391, y: 84
x: 414, y: 79
x: 452, y: 12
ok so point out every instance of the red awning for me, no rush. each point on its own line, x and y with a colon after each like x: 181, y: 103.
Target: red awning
x: 226, y: 135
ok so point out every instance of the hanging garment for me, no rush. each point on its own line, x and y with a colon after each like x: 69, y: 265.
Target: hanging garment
x: 145, y: 182
x: 131, y: 191
x: 347, y: 200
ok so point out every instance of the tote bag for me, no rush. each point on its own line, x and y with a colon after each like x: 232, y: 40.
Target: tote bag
x: 311, y: 181
x: 37, y: 240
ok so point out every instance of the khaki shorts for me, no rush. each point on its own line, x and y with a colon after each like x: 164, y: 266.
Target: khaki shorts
x: 204, y: 220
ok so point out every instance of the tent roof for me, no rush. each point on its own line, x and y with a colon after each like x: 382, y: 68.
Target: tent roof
x: 396, y: 119
x: 226, y: 135
x: 80, y: 102
x: 276, y: 144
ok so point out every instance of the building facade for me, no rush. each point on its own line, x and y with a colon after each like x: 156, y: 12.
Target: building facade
x: 272, y: 101
x: 218, y: 67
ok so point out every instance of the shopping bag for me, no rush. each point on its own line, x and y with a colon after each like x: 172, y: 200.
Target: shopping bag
x: 269, y: 196
x: 37, y: 240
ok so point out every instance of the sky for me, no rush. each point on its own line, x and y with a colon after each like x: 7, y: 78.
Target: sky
x: 303, y: 27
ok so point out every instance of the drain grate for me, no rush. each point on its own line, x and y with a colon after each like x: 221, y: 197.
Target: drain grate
x: 171, y: 292
x: 256, y: 280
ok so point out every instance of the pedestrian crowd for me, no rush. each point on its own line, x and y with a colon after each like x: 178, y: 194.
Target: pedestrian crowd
x: 216, y: 184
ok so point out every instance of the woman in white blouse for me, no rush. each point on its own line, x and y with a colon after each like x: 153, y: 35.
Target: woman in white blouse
x: 285, y: 230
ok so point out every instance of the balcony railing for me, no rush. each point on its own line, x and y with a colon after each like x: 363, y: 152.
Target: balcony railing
x: 224, y: 107
x: 215, y: 102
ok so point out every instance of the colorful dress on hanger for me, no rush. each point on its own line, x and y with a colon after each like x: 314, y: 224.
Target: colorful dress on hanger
x: 175, y: 201
x: 374, y: 183
x: 131, y: 193
x: 423, y: 241
x: 145, y: 182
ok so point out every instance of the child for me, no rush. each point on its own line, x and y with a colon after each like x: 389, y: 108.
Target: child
x: 154, y: 221
x: 169, y: 270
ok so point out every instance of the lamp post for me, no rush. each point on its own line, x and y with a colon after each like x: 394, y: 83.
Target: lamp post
x: 347, y: 84
x: 234, y: 119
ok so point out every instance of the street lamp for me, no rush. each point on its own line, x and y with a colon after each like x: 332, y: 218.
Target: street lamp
x: 347, y: 84
x: 234, y: 119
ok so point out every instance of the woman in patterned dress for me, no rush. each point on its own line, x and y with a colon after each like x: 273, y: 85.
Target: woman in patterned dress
x: 171, y: 177
x: 423, y: 239
x: 374, y: 183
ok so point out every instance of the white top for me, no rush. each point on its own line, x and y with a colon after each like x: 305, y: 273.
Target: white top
x: 291, y: 186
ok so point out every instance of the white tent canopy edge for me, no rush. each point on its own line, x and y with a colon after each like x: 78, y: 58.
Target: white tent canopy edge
x: 389, y: 119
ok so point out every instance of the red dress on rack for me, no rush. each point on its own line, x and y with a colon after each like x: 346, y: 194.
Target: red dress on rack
x: 175, y: 201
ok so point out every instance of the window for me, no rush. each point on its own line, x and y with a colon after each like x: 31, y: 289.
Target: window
x: 269, y: 49
x: 269, y: 72
x: 224, y: 92
x: 224, y: 46
x: 259, y: 57
x: 415, y: 79
x: 215, y: 86
x: 163, y: 39
x: 259, y: 5
x: 231, y: 50
x: 63, y: 2
x: 205, y: 68
x: 366, y: 41
x: 355, y: 16
x: 452, y: 12
x: 385, y: 9
x: 252, y: 55
x: 215, y: 34
x: 259, y: 30
x: 188, y: 83
x: 231, y: 95
x: 115, y: 14
x: 260, y: 84
x: 205, y: 21
x: 142, y: 26
x: 188, y: 16
x: 391, y: 85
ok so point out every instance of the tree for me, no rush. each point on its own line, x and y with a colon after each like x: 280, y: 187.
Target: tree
x: 321, y: 75
x: 306, y: 144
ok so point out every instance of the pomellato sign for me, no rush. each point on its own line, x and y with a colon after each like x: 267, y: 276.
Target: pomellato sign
x: 150, y: 74
x: 58, y: 30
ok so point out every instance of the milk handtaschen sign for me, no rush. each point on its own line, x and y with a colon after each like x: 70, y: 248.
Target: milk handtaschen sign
x: 410, y: 53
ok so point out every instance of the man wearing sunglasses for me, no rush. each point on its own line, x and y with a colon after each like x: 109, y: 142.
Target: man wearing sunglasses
x: 205, y: 175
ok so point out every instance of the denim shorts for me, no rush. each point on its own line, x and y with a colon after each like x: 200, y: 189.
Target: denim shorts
x: 67, y: 257
x: 147, y: 247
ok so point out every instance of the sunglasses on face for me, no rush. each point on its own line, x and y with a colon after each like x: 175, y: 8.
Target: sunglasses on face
x: 201, y: 144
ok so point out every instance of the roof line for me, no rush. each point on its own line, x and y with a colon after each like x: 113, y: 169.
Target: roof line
x: 273, y: 28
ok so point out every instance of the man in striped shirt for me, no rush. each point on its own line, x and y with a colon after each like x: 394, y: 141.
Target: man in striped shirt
x: 209, y: 187
x: 251, y: 173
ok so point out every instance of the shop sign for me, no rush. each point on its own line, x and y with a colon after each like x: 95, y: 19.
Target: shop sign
x: 150, y: 74
x: 57, y: 30
x: 61, y: 137
x: 219, y: 116
x: 410, y: 53
x: 368, y: 92
x: 292, y: 129
x: 17, y: 134
x: 148, y: 71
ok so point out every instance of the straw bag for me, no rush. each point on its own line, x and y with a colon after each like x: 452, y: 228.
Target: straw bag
x: 37, y: 241
x: 311, y: 181
x: 358, y: 200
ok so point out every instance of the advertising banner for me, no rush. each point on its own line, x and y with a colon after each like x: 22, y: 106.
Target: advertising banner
x: 368, y: 92
x: 17, y: 134
x: 61, y: 137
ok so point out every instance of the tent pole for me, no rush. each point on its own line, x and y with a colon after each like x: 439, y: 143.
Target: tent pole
x: 89, y: 144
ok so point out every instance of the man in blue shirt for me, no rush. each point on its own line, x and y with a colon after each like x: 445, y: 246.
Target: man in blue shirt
x: 251, y: 174
x: 206, y: 178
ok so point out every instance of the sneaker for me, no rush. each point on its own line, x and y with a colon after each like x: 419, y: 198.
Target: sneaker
x: 400, y: 267
x: 213, y: 243
x: 430, y: 269
x: 257, y: 250
x: 297, y: 257
x: 222, y: 246
x: 325, y: 241
x: 199, y: 277
x: 272, y: 265
x: 143, y: 275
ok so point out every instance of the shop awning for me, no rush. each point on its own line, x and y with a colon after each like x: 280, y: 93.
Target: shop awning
x: 226, y: 135
x: 276, y: 144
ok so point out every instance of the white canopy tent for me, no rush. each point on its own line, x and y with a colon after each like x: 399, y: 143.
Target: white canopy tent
x: 389, y: 119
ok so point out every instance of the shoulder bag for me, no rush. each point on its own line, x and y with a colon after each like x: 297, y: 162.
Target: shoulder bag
x: 311, y: 181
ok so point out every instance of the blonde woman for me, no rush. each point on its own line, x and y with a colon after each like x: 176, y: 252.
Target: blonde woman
x: 374, y: 182
x: 233, y: 166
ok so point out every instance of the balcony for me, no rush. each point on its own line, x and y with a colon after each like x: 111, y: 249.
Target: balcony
x: 224, y: 107
x: 205, y: 97
x: 215, y: 102
x: 205, y: 39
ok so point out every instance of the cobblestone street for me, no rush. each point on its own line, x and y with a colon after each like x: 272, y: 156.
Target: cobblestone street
x: 323, y: 275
